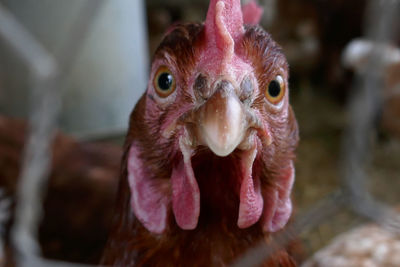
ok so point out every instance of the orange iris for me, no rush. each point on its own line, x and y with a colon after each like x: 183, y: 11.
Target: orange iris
x: 275, y: 90
x: 164, y: 82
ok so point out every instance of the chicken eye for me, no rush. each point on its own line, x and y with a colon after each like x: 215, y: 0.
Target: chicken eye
x: 164, y: 82
x: 275, y: 90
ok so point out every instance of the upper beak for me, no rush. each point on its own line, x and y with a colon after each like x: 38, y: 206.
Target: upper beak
x: 222, y: 123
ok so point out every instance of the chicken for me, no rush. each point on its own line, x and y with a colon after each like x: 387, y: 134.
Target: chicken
x: 368, y: 245
x: 80, y: 194
x: 356, y: 56
x: 208, y: 165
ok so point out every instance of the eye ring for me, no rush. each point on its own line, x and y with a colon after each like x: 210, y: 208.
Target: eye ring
x: 164, y: 82
x: 275, y: 90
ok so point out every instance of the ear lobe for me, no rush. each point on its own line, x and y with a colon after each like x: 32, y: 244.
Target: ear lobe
x: 149, y: 201
x: 278, y: 205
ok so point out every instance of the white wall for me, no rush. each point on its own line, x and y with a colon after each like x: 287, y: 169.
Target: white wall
x: 110, y: 73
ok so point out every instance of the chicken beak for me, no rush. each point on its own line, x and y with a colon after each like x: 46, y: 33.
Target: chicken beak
x: 221, y: 120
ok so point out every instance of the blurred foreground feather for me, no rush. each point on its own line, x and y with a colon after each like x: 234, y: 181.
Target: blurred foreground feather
x: 80, y: 195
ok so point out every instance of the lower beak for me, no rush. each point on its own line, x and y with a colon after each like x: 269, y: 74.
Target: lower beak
x: 222, y: 124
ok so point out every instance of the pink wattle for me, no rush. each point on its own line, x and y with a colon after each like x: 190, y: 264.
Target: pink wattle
x: 251, y: 201
x: 185, y: 191
x: 185, y: 196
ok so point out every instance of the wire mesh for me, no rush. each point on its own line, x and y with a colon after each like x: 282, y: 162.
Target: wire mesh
x: 48, y: 74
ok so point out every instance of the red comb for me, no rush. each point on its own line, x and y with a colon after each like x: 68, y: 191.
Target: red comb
x: 224, y: 25
x: 252, y: 13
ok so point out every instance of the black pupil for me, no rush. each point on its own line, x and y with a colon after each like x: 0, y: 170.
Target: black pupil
x: 165, y: 81
x: 274, y: 88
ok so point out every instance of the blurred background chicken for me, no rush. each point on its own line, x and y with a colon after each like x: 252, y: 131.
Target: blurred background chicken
x: 79, y: 200
x: 365, y: 246
x: 356, y: 57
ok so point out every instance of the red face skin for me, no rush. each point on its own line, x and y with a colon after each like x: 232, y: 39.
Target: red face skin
x: 208, y: 166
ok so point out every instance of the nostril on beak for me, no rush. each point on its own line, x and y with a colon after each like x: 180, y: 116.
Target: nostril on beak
x: 246, y: 89
x: 201, y: 87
